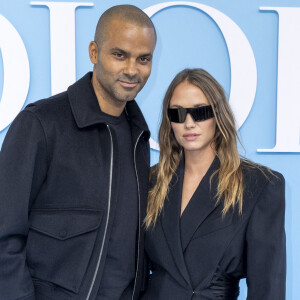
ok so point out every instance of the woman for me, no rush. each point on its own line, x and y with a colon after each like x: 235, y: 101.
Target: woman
x: 212, y: 217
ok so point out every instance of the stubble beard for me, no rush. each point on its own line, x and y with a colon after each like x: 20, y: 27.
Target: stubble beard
x: 122, y: 97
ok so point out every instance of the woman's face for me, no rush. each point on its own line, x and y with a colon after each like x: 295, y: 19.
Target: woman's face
x: 191, y: 135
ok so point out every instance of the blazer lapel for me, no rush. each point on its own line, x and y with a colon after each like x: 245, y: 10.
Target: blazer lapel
x: 170, y: 221
x: 200, y: 206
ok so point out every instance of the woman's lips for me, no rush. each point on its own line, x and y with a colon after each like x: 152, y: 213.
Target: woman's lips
x: 190, y: 136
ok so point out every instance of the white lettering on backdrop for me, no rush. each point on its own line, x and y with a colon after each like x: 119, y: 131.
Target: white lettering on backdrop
x: 243, y: 66
x: 62, y: 41
x: 288, y: 80
x: 16, y: 70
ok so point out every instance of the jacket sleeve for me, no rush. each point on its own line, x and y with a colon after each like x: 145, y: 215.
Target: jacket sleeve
x: 23, y: 164
x: 265, y: 238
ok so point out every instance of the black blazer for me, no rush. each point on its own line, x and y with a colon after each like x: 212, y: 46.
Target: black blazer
x: 203, y: 255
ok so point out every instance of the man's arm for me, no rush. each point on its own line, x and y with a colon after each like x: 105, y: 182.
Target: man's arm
x: 23, y: 165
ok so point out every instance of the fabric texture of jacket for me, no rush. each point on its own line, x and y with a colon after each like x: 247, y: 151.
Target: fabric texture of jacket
x: 59, y: 191
x: 203, y: 255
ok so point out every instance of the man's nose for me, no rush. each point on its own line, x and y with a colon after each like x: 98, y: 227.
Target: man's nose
x: 130, y: 68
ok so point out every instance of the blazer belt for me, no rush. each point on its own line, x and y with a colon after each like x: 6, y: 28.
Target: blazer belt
x: 225, y: 287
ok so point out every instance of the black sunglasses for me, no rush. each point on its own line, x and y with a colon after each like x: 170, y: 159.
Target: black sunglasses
x: 201, y: 113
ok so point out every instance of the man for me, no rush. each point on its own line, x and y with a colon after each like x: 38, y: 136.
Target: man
x: 73, y: 177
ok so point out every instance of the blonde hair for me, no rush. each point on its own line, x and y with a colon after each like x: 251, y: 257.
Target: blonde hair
x: 230, y: 183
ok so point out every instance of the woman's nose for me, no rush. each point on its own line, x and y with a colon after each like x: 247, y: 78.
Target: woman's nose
x: 189, y: 122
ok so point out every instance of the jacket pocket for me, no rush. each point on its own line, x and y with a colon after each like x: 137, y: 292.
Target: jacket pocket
x: 60, y: 244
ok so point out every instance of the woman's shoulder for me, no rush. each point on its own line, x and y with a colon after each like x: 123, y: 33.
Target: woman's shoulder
x: 153, y: 175
x: 153, y: 172
x: 154, y: 168
x: 252, y: 170
x: 257, y: 178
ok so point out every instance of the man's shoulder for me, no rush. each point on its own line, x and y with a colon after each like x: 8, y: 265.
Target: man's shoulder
x: 54, y: 104
x: 55, y: 109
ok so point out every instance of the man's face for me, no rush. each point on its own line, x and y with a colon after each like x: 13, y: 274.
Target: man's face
x: 124, y: 61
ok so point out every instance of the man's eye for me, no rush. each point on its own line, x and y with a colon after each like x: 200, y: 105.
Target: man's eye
x: 118, y: 55
x: 144, y: 59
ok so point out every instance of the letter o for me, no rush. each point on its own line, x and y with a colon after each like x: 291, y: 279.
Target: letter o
x: 242, y: 60
x: 16, y: 73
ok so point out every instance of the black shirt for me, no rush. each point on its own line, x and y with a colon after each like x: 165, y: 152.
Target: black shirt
x: 119, y: 270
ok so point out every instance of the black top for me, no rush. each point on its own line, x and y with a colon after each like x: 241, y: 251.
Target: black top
x: 197, y: 201
x: 119, y: 271
x: 203, y: 255
x: 201, y: 192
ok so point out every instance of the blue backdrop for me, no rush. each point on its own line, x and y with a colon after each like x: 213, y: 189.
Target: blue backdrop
x: 187, y: 37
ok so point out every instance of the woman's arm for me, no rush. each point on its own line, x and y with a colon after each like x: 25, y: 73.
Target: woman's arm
x: 265, y: 238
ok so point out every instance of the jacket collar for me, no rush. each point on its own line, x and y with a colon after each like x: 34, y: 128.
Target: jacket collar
x: 202, y: 203
x: 199, y: 212
x: 87, y: 112
x: 170, y: 218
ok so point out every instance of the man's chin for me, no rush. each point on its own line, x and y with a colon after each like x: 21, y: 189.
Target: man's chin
x: 128, y: 94
x: 128, y: 97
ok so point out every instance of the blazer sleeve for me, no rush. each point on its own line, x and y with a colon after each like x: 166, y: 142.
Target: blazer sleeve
x: 265, y: 239
x: 23, y: 163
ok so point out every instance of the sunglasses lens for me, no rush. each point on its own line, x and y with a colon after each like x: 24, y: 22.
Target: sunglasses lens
x: 177, y: 115
x: 202, y: 113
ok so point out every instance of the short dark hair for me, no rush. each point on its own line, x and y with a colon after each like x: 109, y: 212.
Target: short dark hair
x: 126, y: 12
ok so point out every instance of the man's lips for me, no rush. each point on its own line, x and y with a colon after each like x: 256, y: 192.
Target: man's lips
x: 128, y: 84
x: 190, y: 136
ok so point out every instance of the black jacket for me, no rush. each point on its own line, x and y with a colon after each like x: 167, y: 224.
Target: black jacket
x: 58, y: 195
x: 203, y: 255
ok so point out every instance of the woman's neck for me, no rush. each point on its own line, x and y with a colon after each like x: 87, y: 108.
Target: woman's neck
x: 198, y: 164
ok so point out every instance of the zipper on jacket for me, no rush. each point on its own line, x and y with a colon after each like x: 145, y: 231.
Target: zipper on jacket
x: 139, y: 228
x: 107, y: 218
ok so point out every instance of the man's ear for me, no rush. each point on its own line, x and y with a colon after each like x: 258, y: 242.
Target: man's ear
x: 93, y: 52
